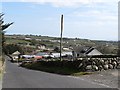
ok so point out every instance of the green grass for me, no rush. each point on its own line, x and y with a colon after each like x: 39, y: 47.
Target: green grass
x: 56, y: 70
x: 11, y: 41
x: 82, y: 73
x: 1, y: 67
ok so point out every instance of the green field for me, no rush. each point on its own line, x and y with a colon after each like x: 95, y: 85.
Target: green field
x: 15, y: 41
x: 105, y: 47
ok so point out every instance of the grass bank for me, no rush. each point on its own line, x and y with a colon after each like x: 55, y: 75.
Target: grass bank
x: 1, y: 67
x: 54, y: 69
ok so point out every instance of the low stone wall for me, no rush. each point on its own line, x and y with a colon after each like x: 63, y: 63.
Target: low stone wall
x: 83, y: 64
x: 96, y: 64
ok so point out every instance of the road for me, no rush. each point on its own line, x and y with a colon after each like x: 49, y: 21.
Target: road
x: 18, y: 77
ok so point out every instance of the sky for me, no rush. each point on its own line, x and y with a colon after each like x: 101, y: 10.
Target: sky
x: 87, y: 19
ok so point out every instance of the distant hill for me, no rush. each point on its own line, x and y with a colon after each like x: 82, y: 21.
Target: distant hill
x: 107, y: 47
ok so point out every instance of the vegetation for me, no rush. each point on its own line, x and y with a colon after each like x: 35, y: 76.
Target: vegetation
x: 81, y: 73
x: 106, y: 47
x: 16, y: 41
x: 1, y: 66
x: 57, y: 49
x: 2, y: 32
x: 54, y: 67
x: 11, y: 48
x: 3, y: 27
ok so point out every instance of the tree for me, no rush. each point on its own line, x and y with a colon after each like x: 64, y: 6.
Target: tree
x: 2, y: 32
x: 11, y: 48
x: 34, y: 42
x: 57, y: 49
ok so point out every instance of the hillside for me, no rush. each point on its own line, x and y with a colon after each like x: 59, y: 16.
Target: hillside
x: 107, y: 47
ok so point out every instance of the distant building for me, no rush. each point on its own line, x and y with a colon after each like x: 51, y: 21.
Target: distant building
x: 38, y: 39
x: 66, y: 49
x: 85, y: 51
x: 54, y: 40
x: 16, y: 53
x: 42, y: 46
x: 28, y: 39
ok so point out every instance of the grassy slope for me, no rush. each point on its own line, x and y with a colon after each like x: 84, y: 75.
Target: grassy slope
x: 99, y: 44
x: 70, y: 40
x: 1, y: 67
x: 14, y: 41
x: 56, y: 70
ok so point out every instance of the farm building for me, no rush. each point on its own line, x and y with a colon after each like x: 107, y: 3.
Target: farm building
x: 85, y: 51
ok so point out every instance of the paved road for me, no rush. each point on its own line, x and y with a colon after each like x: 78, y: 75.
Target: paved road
x: 0, y: 84
x: 18, y: 77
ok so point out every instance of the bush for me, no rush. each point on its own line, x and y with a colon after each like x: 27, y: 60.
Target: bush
x: 11, y: 48
x: 59, y: 67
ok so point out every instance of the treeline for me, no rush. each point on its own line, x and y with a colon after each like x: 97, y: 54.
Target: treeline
x: 11, y: 48
x: 107, y: 49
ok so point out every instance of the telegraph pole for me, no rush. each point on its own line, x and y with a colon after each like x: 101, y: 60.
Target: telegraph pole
x: 61, y: 38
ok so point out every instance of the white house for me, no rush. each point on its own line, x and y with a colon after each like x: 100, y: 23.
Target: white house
x: 42, y: 46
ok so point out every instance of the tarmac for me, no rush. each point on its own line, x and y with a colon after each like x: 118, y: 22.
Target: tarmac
x: 107, y: 77
x: 0, y: 84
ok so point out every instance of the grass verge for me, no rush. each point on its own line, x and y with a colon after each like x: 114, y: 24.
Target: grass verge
x: 1, y: 67
x: 56, y: 70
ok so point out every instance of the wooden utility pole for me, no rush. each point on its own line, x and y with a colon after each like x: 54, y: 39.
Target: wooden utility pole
x: 61, y: 38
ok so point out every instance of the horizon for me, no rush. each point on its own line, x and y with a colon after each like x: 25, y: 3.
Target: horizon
x: 63, y: 37
x: 91, y: 20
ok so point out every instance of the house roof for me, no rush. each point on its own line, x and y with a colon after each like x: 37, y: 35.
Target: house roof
x: 89, y: 50
x: 80, y: 49
x: 86, y: 50
x: 16, y: 53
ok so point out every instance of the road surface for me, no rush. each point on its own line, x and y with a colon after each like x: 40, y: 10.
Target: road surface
x: 18, y: 77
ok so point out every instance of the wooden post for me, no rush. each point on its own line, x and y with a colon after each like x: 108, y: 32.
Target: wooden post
x: 61, y: 38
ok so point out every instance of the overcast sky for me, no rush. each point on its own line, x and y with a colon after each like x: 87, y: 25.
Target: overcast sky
x: 88, y: 19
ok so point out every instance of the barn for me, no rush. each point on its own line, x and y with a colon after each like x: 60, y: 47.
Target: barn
x: 85, y: 51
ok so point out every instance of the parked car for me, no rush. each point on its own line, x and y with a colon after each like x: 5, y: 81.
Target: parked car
x: 27, y: 57
x: 38, y: 57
